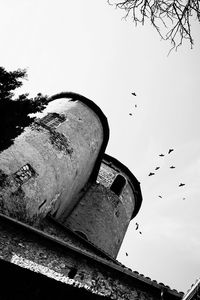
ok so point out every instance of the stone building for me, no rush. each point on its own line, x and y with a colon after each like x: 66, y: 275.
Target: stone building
x: 65, y: 207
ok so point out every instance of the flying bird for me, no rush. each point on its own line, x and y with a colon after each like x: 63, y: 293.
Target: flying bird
x: 140, y: 232
x: 170, y: 150
x: 130, y: 114
x: 134, y: 94
x: 160, y: 196
x: 137, y: 225
x: 181, y: 184
x: 172, y: 167
x: 161, y: 155
x: 157, y: 168
x: 126, y: 254
x: 135, y: 105
x: 151, y: 174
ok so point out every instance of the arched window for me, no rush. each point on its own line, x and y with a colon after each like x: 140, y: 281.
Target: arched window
x: 118, y: 184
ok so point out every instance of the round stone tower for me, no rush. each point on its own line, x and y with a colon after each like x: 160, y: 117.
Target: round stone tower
x: 104, y: 212
x: 51, y: 162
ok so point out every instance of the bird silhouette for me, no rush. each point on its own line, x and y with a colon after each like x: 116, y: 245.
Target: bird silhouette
x: 170, y: 150
x: 161, y: 155
x: 172, y: 167
x: 126, y: 254
x: 134, y: 94
x: 151, y: 174
x: 130, y: 114
x: 157, y: 168
x: 140, y: 232
x: 160, y: 196
x: 135, y: 105
x: 137, y: 225
x: 181, y: 184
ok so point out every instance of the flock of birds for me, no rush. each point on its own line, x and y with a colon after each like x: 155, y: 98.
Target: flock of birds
x: 161, y: 155
x: 171, y: 167
x: 134, y: 94
x: 153, y: 173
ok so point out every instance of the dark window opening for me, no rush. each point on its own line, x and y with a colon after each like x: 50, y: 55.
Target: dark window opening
x: 118, y: 184
x: 81, y: 234
x: 72, y: 273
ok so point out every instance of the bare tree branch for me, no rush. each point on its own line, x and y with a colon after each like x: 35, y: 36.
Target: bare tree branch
x: 171, y: 18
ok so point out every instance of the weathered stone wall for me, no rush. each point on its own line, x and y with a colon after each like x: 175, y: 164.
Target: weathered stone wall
x: 73, y: 266
x: 101, y: 215
x: 107, y: 174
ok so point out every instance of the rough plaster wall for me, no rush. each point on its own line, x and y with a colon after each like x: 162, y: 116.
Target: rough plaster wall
x: 86, y: 134
x: 62, y: 160
x: 128, y: 199
x: 101, y: 216
x: 57, y: 231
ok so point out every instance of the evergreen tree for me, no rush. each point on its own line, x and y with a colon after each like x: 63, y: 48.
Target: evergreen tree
x: 14, y: 111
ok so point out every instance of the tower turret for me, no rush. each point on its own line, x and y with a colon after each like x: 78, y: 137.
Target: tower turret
x: 52, y: 161
x: 103, y: 214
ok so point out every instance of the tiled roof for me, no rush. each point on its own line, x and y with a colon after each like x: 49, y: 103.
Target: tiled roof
x: 152, y: 282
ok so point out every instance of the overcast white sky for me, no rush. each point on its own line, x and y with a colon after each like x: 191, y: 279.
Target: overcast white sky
x: 85, y: 47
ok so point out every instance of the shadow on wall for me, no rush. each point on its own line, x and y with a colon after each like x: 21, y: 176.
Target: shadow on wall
x: 27, y: 285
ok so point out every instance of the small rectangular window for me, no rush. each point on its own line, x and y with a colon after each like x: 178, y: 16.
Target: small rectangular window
x: 24, y: 174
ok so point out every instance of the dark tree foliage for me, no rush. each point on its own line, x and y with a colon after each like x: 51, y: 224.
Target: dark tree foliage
x: 171, y: 18
x: 14, y: 111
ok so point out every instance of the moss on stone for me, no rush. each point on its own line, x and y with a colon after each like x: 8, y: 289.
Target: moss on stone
x: 60, y: 142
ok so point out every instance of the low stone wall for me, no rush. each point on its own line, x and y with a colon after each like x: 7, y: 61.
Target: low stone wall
x: 33, y: 250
